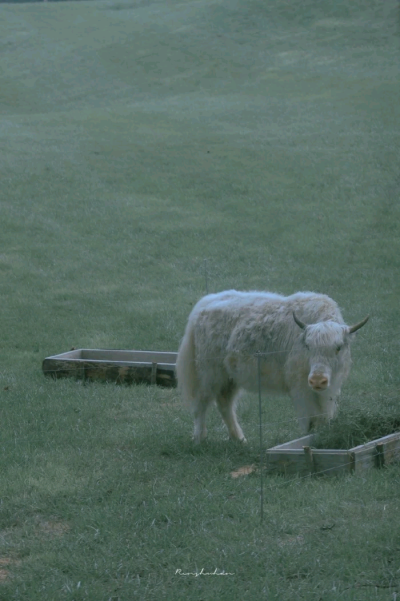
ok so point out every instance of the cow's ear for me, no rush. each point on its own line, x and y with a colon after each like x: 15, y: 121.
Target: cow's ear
x: 358, y: 325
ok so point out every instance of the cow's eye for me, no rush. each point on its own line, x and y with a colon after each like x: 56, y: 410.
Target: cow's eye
x: 338, y: 349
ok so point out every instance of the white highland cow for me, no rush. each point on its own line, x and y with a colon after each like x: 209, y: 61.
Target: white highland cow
x: 305, y: 348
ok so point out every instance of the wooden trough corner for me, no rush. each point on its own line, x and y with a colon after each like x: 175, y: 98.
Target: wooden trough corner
x: 122, y: 367
x: 298, y: 457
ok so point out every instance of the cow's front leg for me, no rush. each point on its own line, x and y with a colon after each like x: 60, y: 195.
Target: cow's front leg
x: 308, y: 410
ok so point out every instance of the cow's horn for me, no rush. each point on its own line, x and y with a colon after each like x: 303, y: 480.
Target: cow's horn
x: 359, y: 325
x: 299, y: 323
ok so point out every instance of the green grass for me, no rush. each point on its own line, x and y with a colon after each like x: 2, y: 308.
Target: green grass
x: 139, y: 139
x: 353, y: 427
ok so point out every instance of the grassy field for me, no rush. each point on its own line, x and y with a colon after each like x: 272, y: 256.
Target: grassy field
x: 139, y: 139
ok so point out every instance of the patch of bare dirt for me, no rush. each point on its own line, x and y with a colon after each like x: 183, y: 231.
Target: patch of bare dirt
x: 53, y: 528
x: 5, y: 564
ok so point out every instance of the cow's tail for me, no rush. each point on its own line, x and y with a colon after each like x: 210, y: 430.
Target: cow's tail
x: 186, y: 366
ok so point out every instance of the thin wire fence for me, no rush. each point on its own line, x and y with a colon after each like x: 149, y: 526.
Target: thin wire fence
x: 348, y: 464
x: 257, y: 356
x: 79, y: 369
x: 80, y: 366
x: 250, y: 354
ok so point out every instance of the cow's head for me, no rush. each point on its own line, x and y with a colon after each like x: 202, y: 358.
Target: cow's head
x: 327, y: 345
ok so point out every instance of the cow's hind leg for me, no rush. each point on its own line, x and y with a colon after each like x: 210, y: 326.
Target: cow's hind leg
x: 199, y: 408
x: 226, y: 403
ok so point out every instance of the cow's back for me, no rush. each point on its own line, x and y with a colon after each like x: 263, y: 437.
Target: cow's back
x: 231, y: 327
x: 217, y: 317
x: 263, y: 321
x: 251, y: 322
x: 311, y: 307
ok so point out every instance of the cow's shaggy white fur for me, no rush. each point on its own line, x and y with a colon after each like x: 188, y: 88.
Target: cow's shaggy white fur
x: 305, y: 347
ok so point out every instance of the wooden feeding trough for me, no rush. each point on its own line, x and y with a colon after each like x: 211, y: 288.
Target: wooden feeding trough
x: 298, y: 457
x: 123, y: 367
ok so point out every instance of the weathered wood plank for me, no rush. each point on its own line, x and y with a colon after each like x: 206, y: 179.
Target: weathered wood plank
x: 377, y: 453
x: 298, y: 443
x: 330, y: 462
x: 298, y: 457
x: 390, y: 448
x: 289, y: 462
x: 307, y: 460
x: 365, y: 457
x: 122, y: 367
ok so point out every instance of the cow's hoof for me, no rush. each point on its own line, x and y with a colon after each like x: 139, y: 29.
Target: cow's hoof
x: 239, y: 440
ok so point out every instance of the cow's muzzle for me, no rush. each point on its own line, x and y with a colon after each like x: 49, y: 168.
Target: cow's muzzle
x: 318, y: 382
